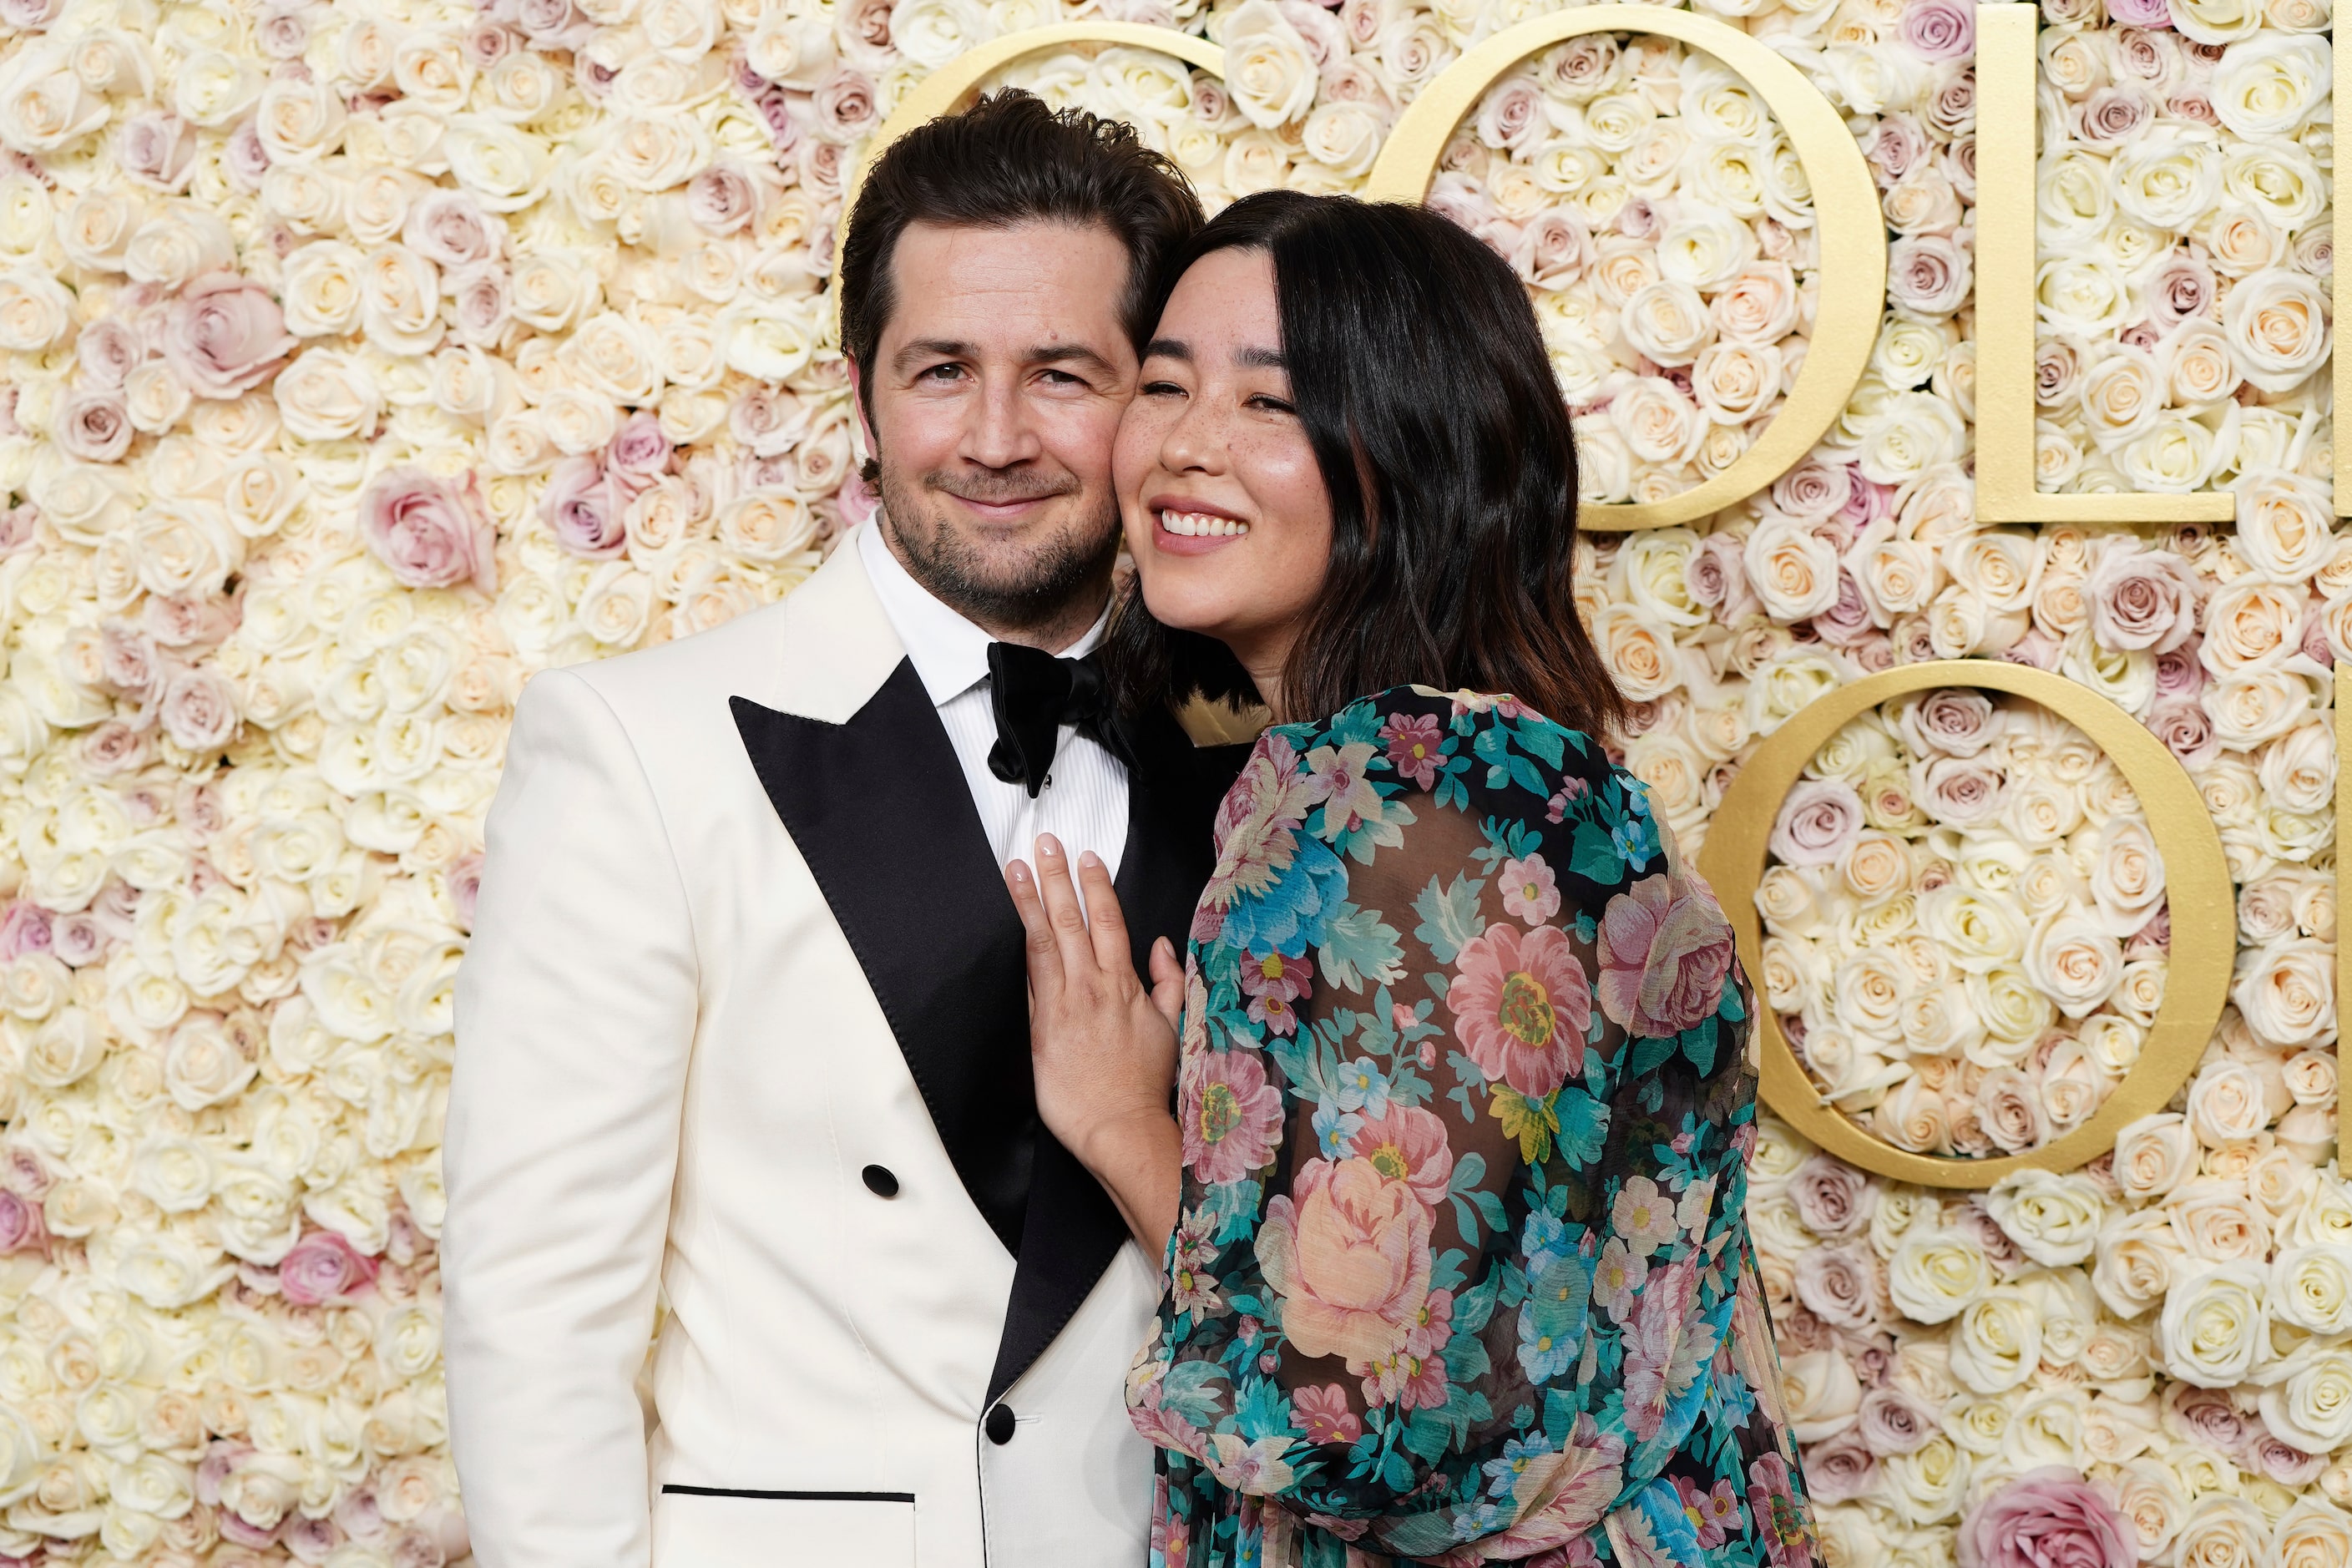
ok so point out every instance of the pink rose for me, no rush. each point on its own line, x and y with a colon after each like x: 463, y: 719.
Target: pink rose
x: 1347, y: 1252
x: 1940, y: 29
x: 324, y: 1268
x: 429, y: 532
x: 1832, y: 1197
x: 720, y: 200
x: 2141, y: 598
x: 1521, y: 1006
x: 93, y: 426
x: 1818, y: 824
x: 1955, y: 720
x: 198, y: 710
x: 1666, y: 951
x: 23, y: 928
x: 1961, y: 790
x: 20, y: 1223
x: 584, y: 507
x: 2148, y: 15
x: 639, y: 452
x: 1410, y: 1144
x: 1840, y: 1469
x: 448, y: 229
x: 2049, y: 1518
x: 464, y: 877
x: 1231, y: 1115
x: 1893, y: 1420
x: 225, y: 336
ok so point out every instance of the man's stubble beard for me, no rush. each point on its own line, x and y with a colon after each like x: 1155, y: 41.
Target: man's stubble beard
x: 1057, y: 579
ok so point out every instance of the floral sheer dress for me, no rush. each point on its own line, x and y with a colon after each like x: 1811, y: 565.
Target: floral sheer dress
x: 1460, y: 1273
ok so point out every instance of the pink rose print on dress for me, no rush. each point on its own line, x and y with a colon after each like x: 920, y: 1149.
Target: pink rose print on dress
x: 1347, y: 1250
x: 1325, y: 1413
x: 1779, y: 1517
x: 1233, y: 1117
x: 1274, y: 983
x: 1521, y: 1006
x: 1413, y: 739
x: 1408, y: 1143
x: 1665, y: 1348
x: 1531, y: 892
x: 1664, y: 957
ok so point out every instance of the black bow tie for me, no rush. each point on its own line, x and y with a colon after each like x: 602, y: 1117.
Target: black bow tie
x: 1035, y: 694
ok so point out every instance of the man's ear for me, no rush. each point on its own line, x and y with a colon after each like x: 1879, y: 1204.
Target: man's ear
x: 868, y: 446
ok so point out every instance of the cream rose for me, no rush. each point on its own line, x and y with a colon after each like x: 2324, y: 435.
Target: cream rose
x: 2214, y: 1324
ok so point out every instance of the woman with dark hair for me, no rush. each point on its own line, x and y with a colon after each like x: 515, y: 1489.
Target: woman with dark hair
x: 1451, y: 1203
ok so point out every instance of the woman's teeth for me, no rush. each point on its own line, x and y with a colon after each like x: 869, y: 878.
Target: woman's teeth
x: 1200, y: 525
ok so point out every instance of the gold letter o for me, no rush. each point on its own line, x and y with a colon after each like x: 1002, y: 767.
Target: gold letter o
x: 1853, y: 280
x: 2196, y: 889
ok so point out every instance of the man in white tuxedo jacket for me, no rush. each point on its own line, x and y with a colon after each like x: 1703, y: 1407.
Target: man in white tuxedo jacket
x: 743, y: 1031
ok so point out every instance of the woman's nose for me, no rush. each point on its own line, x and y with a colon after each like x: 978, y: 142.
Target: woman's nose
x: 1195, y: 442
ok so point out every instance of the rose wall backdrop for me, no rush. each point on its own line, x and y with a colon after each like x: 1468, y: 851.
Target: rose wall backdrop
x: 364, y: 359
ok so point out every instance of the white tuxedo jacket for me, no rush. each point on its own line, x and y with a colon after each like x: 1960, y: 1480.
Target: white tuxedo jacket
x: 743, y: 1029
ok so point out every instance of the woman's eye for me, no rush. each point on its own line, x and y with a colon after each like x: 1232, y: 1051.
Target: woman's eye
x: 1161, y: 389
x: 1271, y: 405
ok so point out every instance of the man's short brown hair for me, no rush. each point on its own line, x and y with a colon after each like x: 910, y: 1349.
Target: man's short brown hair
x: 1010, y: 160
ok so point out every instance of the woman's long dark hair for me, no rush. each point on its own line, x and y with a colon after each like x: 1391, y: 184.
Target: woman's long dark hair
x: 1418, y: 370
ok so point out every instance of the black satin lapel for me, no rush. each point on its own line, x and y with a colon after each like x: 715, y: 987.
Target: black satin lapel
x: 881, y: 812
x: 1074, y: 1230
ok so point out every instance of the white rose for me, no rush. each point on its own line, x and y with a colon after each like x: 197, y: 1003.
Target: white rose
x: 2154, y: 1156
x: 1996, y: 1341
x: 2285, y: 992
x: 2139, y: 1255
x: 321, y: 287
x: 43, y: 105
x: 1792, y: 570
x: 2054, y: 1219
x: 1934, y: 1274
x: 1822, y: 1393
x: 2312, y: 1406
x: 2075, y: 960
x: 2214, y: 1324
x: 327, y: 395
x: 36, y: 311
x: 506, y: 169
x: 2311, y: 1288
x: 1268, y: 69
x: 2276, y: 179
x: 2277, y: 328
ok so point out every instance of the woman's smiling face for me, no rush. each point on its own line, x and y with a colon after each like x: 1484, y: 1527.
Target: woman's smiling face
x: 1226, y: 512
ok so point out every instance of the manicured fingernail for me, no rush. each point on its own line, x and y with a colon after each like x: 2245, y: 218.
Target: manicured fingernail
x: 1090, y: 860
x: 1019, y: 872
x: 1047, y: 850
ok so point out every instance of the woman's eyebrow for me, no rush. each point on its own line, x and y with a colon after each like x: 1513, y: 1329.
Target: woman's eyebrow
x: 1260, y: 359
x: 1169, y: 348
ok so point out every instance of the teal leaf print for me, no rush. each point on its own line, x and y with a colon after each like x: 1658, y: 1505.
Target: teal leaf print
x: 1449, y: 917
x: 1263, y: 1410
x: 1593, y: 855
x: 1698, y: 1044
x: 1583, y: 1125
x: 1359, y: 946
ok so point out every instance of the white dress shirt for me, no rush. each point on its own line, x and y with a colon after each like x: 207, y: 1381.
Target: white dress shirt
x: 1083, y: 801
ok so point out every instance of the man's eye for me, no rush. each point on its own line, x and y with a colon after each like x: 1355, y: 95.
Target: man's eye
x: 941, y: 372
x: 1061, y: 378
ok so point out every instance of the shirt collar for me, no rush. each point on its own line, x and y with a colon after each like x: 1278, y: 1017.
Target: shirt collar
x: 949, y: 652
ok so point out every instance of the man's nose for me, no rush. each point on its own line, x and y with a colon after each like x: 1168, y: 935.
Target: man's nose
x: 1001, y: 432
